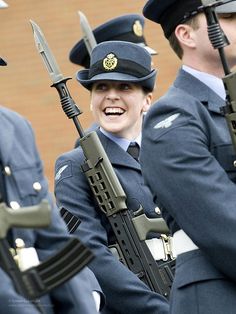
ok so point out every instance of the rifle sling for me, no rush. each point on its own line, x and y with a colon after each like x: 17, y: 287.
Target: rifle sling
x: 57, y: 269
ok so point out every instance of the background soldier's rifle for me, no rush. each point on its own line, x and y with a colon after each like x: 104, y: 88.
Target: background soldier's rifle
x: 30, y: 217
x: 57, y: 269
x: 219, y: 41
x: 88, y: 36
x: 108, y: 190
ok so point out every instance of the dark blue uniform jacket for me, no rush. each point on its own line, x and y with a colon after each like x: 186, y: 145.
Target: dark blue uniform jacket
x: 187, y: 160
x: 124, y: 292
x: 19, y: 155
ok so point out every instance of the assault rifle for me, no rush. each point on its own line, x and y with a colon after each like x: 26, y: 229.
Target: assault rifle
x: 57, y: 269
x: 108, y: 190
x: 219, y: 41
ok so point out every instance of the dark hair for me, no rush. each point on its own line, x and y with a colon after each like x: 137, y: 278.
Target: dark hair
x: 173, y: 41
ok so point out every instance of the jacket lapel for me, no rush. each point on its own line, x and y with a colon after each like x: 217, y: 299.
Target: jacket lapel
x: 116, y: 154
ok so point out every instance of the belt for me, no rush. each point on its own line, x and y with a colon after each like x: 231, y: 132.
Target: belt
x: 161, y: 248
x: 182, y: 243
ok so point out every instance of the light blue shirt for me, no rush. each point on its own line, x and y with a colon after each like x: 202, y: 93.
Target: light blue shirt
x: 122, y: 142
x: 213, y: 82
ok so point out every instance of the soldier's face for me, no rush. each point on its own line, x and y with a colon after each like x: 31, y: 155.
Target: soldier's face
x: 204, y: 46
x: 228, y: 24
x: 118, y: 107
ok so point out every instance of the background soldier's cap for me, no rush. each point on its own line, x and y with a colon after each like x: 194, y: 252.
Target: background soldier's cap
x: 127, y: 27
x: 3, y: 4
x: 170, y: 13
x: 119, y: 61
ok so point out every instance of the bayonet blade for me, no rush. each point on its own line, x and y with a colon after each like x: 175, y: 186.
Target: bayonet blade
x: 46, y: 54
x: 88, y: 36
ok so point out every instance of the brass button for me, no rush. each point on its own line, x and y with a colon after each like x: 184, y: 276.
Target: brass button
x: 37, y: 186
x: 14, y: 205
x: 7, y: 170
x: 234, y: 163
x: 157, y: 210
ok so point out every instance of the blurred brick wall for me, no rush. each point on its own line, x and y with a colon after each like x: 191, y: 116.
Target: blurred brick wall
x: 25, y: 83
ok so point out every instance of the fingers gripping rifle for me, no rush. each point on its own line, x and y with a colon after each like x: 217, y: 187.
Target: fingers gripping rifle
x: 107, y: 188
x: 219, y: 41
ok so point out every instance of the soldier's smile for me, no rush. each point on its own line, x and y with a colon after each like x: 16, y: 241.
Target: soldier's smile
x: 113, y: 111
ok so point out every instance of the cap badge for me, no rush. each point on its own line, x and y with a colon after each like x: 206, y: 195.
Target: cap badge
x: 137, y: 28
x: 110, y: 62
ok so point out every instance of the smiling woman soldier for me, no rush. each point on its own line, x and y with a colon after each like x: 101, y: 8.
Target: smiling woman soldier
x: 121, y: 81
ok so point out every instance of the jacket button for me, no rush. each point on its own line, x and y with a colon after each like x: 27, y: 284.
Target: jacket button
x: 14, y: 205
x: 7, y: 170
x: 157, y: 210
x: 37, y: 186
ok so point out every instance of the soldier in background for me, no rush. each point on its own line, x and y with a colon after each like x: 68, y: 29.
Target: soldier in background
x: 22, y: 184
x: 129, y: 27
x: 188, y: 158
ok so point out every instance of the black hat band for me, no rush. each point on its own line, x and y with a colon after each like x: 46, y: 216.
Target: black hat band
x: 123, y: 66
x: 130, y: 36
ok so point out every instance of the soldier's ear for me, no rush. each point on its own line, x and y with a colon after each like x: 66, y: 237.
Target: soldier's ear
x: 185, y: 35
x: 147, y: 102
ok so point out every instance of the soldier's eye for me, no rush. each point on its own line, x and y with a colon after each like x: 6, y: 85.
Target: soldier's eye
x: 226, y: 15
x: 100, y: 86
x: 125, y: 86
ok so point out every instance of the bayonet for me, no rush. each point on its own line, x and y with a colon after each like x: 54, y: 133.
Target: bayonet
x: 88, y: 36
x: 59, y: 81
x: 46, y: 54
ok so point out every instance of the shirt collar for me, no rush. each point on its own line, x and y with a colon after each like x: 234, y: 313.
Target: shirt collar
x: 122, y: 142
x: 213, y: 82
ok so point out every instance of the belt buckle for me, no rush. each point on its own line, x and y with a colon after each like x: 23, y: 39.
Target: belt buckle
x: 167, y: 242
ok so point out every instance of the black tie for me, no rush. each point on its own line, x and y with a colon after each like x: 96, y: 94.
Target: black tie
x: 133, y: 150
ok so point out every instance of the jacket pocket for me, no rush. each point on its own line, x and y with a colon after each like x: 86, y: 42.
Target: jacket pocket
x: 193, y: 267
x: 29, y: 182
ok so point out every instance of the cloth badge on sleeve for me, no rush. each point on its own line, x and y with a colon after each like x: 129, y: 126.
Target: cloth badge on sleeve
x: 167, y: 122
x: 64, y: 171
